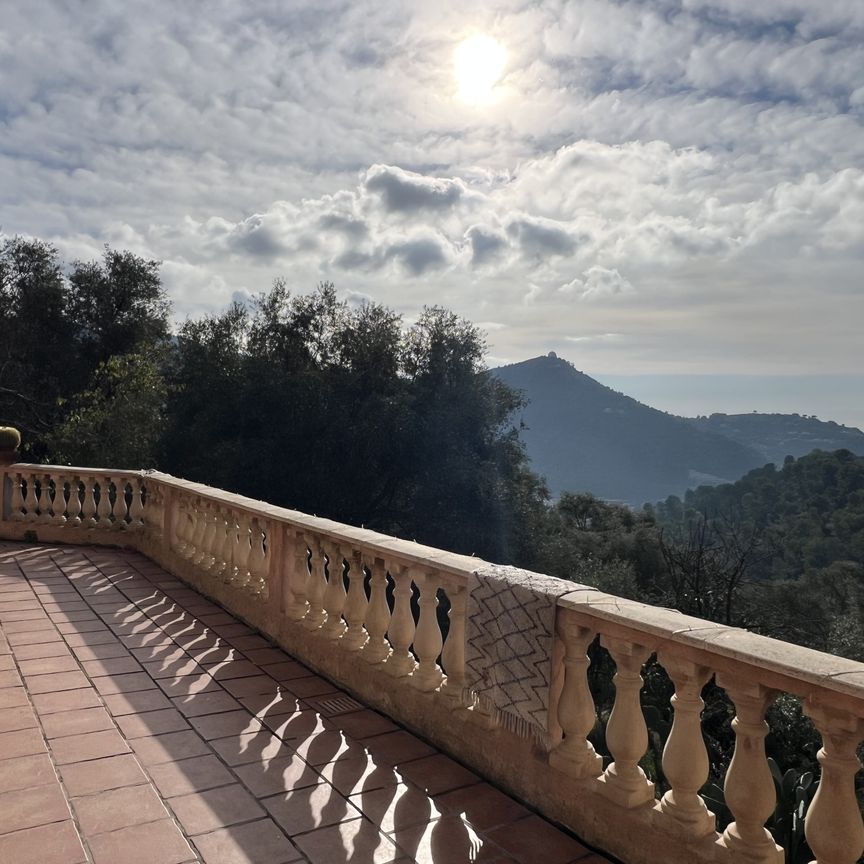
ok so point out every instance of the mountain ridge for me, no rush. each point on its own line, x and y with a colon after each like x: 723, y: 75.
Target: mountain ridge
x: 584, y: 436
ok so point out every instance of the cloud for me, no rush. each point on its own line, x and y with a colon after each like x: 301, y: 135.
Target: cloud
x: 597, y: 282
x: 406, y: 192
x: 540, y: 237
x: 486, y: 244
x: 418, y: 256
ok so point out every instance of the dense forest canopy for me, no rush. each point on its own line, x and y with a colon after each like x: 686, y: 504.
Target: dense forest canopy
x: 348, y: 412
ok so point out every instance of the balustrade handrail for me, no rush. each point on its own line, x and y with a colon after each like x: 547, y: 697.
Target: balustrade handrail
x: 362, y: 607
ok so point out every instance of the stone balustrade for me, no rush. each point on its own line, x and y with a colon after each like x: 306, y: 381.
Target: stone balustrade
x: 367, y: 610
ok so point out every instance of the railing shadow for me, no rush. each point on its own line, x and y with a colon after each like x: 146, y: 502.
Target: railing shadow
x: 240, y: 756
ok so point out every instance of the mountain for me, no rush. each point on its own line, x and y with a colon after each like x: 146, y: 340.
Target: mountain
x: 776, y: 436
x: 584, y: 436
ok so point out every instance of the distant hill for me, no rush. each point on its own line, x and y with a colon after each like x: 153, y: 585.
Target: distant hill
x: 776, y: 436
x: 583, y: 436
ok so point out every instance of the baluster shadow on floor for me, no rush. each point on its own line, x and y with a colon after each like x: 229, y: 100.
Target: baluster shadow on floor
x: 181, y: 735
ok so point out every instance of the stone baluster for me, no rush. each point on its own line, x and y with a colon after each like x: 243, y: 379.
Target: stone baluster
x: 73, y: 505
x: 356, y: 604
x: 198, y: 511
x: 626, y: 733
x: 685, y: 757
x: 204, y: 536
x: 377, y: 649
x: 334, y: 595
x: 103, y: 509
x: 427, y: 640
x: 44, y: 504
x: 58, y: 505
x: 16, y: 504
x: 224, y: 537
x: 136, y: 509
x: 453, y: 653
x: 297, y: 554
x: 401, y: 632
x: 317, y: 587
x: 31, y: 501
x: 749, y: 787
x: 118, y: 509
x: 833, y: 824
x: 88, y: 507
x: 242, y: 551
x: 575, y: 755
x: 181, y: 528
x: 257, y: 583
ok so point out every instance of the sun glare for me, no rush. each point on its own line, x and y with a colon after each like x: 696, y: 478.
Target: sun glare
x: 479, y: 62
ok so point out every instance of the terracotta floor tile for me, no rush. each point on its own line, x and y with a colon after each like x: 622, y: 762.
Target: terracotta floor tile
x: 200, y: 812
x: 361, y: 724
x: 57, y: 681
x: 66, y: 700
x: 253, y: 686
x: 133, y: 703
x: 111, y: 666
x: 37, y: 637
x: 28, y: 626
x: 7, y: 662
x: 189, y: 775
x: 283, y: 774
x: 10, y: 678
x: 396, y: 807
x: 437, y: 774
x: 310, y: 685
x: 254, y: 843
x: 482, y: 805
x: 100, y: 652
x: 189, y: 685
x: 13, y: 697
x: 69, y: 628
x: 301, y: 810
x: 396, y: 748
x: 268, y: 705
x: 358, y: 840
x: 210, y: 655
x: 261, y: 656
x: 361, y: 774
x: 152, y: 843
x: 28, y: 808
x: 57, y: 843
x: 151, y: 723
x: 25, y: 772
x: 225, y: 724
x: 118, y: 808
x: 13, y: 719
x: 45, y: 665
x: 115, y: 772
x: 80, y: 640
x: 251, y: 747
x: 109, y: 685
x: 205, y: 703
x: 46, y: 649
x: 76, y: 722
x: 24, y: 742
x: 233, y: 669
x: 532, y: 840
x: 320, y: 747
x: 175, y: 668
x: 169, y: 747
x: 448, y: 841
x: 91, y: 745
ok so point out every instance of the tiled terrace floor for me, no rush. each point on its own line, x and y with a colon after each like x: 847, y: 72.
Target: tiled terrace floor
x: 141, y: 724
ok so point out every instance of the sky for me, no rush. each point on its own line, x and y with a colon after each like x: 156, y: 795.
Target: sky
x: 665, y: 192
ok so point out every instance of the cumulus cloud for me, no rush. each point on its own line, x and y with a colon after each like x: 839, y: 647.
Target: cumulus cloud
x: 597, y: 282
x: 406, y: 192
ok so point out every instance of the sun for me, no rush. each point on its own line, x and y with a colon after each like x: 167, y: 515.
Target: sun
x: 478, y: 63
